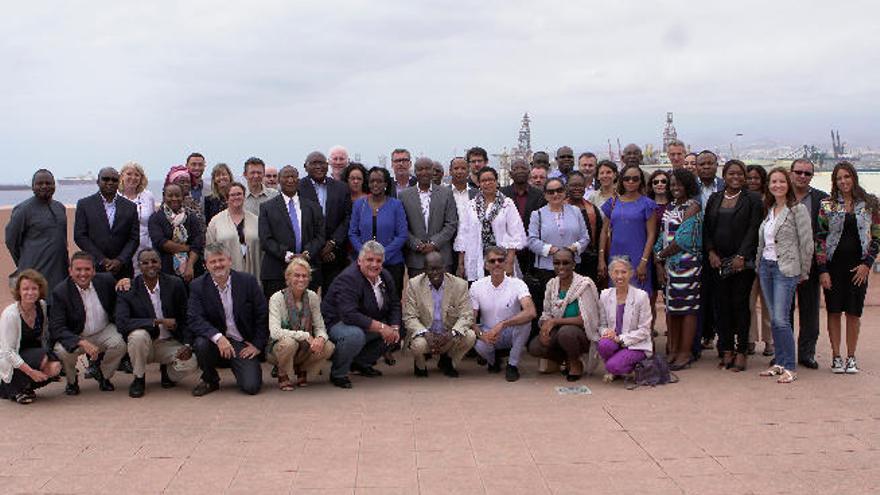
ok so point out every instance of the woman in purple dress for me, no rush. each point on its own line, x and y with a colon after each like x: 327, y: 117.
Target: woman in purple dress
x: 631, y: 229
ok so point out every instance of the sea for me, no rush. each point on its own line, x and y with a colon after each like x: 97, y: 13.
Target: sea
x: 69, y: 194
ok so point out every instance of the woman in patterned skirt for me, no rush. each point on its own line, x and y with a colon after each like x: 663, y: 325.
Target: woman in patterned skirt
x: 679, y: 261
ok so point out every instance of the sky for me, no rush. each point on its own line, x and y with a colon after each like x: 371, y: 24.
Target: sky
x: 88, y: 84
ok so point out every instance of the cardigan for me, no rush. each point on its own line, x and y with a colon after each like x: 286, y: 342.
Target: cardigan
x: 10, y: 339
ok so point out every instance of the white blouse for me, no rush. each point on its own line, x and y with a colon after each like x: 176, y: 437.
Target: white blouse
x: 509, y: 234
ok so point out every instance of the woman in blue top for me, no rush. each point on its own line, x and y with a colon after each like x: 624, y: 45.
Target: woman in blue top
x: 380, y: 218
x: 631, y: 229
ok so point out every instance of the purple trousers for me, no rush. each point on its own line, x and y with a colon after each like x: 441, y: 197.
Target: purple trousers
x: 618, y: 361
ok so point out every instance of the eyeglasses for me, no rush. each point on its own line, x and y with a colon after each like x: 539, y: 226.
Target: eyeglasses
x: 659, y: 181
x: 554, y: 191
x: 400, y: 160
x: 494, y: 261
x: 805, y: 173
x: 631, y: 178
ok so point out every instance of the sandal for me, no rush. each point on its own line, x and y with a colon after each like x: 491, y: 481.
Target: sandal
x: 284, y: 383
x: 787, y: 377
x: 774, y: 370
x: 739, y: 363
x: 24, y: 398
x: 301, y: 380
x: 726, y: 360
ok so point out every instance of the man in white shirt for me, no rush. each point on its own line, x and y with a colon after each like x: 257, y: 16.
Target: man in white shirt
x: 504, y: 309
x: 151, y: 316
x: 82, y: 321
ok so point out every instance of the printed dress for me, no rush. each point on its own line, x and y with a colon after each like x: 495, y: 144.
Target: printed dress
x: 683, y: 269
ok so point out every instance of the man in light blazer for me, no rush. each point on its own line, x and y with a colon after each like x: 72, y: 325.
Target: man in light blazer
x: 107, y: 227
x: 432, y: 217
x: 438, y: 315
x: 335, y: 202
x: 290, y: 224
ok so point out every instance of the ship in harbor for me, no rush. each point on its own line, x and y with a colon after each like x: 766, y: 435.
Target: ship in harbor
x: 76, y: 180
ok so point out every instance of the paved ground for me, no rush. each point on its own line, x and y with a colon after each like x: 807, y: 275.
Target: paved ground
x: 714, y: 432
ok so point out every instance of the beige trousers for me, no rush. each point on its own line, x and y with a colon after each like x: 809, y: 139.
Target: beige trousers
x: 144, y: 350
x: 766, y: 333
x: 107, y: 340
x: 456, y: 348
x: 288, y: 353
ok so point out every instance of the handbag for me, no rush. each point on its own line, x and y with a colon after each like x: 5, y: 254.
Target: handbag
x: 726, y: 270
x: 650, y: 372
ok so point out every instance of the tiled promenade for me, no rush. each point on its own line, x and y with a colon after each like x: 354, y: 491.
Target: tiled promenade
x: 714, y: 432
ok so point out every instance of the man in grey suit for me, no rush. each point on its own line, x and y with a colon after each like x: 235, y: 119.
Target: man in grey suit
x: 432, y: 217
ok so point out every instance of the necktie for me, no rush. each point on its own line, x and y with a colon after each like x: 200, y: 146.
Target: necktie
x: 294, y: 222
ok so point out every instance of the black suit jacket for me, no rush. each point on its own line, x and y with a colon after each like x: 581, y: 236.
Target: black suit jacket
x: 352, y: 301
x: 534, y: 201
x: 205, y: 316
x: 134, y: 310
x: 161, y: 231
x: 67, y: 316
x: 338, y: 211
x: 747, y: 216
x: 410, y: 183
x: 276, y: 234
x: 92, y: 232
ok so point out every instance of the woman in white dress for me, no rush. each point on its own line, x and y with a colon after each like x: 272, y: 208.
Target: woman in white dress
x: 237, y: 229
x: 133, y: 187
x: 492, y: 220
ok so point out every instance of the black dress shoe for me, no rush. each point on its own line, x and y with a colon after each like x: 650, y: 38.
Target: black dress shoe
x: 444, y: 362
x: 450, y: 371
x: 167, y: 382
x: 367, y: 371
x: 420, y: 372
x: 105, y: 386
x: 205, y: 388
x: 809, y: 363
x: 72, y: 389
x: 511, y: 374
x: 494, y: 368
x: 343, y: 382
x: 137, y: 387
x: 92, y: 370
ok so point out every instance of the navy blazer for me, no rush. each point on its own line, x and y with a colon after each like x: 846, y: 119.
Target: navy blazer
x: 338, y: 211
x: 134, y: 309
x: 93, y: 234
x: 161, y: 231
x: 351, y: 300
x: 206, y: 318
x: 276, y: 234
x: 67, y: 316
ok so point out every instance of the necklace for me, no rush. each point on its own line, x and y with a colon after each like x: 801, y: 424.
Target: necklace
x: 733, y: 196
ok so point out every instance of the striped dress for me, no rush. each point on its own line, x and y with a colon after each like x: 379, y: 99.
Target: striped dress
x: 683, y: 269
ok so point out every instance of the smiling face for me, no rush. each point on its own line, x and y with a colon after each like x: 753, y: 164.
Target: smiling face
x: 424, y: 172
x: 131, y: 179
x: 576, y: 187
x: 563, y: 264
x: 620, y: 274
x: 434, y: 269
x: 172, y: 197
x: 235, y: 198
x: 355, y: 181
x: 338, y: 161
x: 108, y: 182
x: 377, y: 184
x: 537, y: 177
x: 659, y: 184
x: 777, y: 183
x: 690, y: 163
x: 587, y: 165
x: 632, y: 155
x: 676, y: 155
x: 288, y: 178
x: 370, y: 265
x: 606, y: 176
x: 801, y: 175
x: 298, y: 278
x: 196, y: 166
x: 150, y: 265
x: 735, y: 177
x: 458, y: 170
x: 316, y: 166
x: 270, y: 177
x: 844, y: 181
x: 28, y: 291
x: 43, y: 186
x: 488, y: 183
x: 218, y: 266
x: 495, y: 264
x: 565, y: 159
x: 82, y: 272
x: 400, y: 163
x: 753, y: 181
x: 631, y: 179
x: 676, y: 189
x: 554, y: 192
x: 222, y: 180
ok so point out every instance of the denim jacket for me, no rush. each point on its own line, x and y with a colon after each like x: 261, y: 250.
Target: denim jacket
x: 831, y: 218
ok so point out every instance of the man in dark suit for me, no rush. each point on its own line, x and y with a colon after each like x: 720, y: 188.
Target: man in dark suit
x: 527, y: 199
x: 290, y: 224
x: 808, y: 291
x: 710, y: 183
x: 151, y: 316
x: 107, y: 227
x: 362, y: 313
x: 401, y: 163
x: 432, y: 218
x: 229, y: 320
x: 81, y: 321
x: 335, y: 202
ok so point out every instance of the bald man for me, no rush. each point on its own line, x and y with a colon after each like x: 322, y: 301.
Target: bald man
x: 338, y: 157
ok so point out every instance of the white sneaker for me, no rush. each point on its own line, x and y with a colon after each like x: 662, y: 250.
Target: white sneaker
x: 851, y: 366
x: 837, y: 365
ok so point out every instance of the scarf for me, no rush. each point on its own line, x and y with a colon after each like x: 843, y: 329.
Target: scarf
x: 179, y: 235
x: 299, y: 320
x: 486, y: 217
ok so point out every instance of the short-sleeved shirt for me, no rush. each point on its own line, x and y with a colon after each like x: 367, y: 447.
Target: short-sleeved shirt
x: 496, y: 304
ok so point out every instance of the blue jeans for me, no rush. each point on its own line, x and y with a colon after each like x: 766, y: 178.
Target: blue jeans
x: 779, y: 292
x: 353, y: 345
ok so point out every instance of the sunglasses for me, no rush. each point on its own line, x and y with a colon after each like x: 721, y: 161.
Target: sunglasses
x: 631, y: 178
x: 659, y: 181
x: 110, y: 179
x: 805, y: 173
x: 564, y: 156
x: 495, y: 261
x: 554, y: 191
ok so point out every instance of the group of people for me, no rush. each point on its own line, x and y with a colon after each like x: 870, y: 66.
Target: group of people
x: 349, y: 265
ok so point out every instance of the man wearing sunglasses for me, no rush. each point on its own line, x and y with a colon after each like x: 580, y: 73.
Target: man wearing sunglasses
x: 564, y: 164
x: 107, y: 227
x: 802, y: 171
